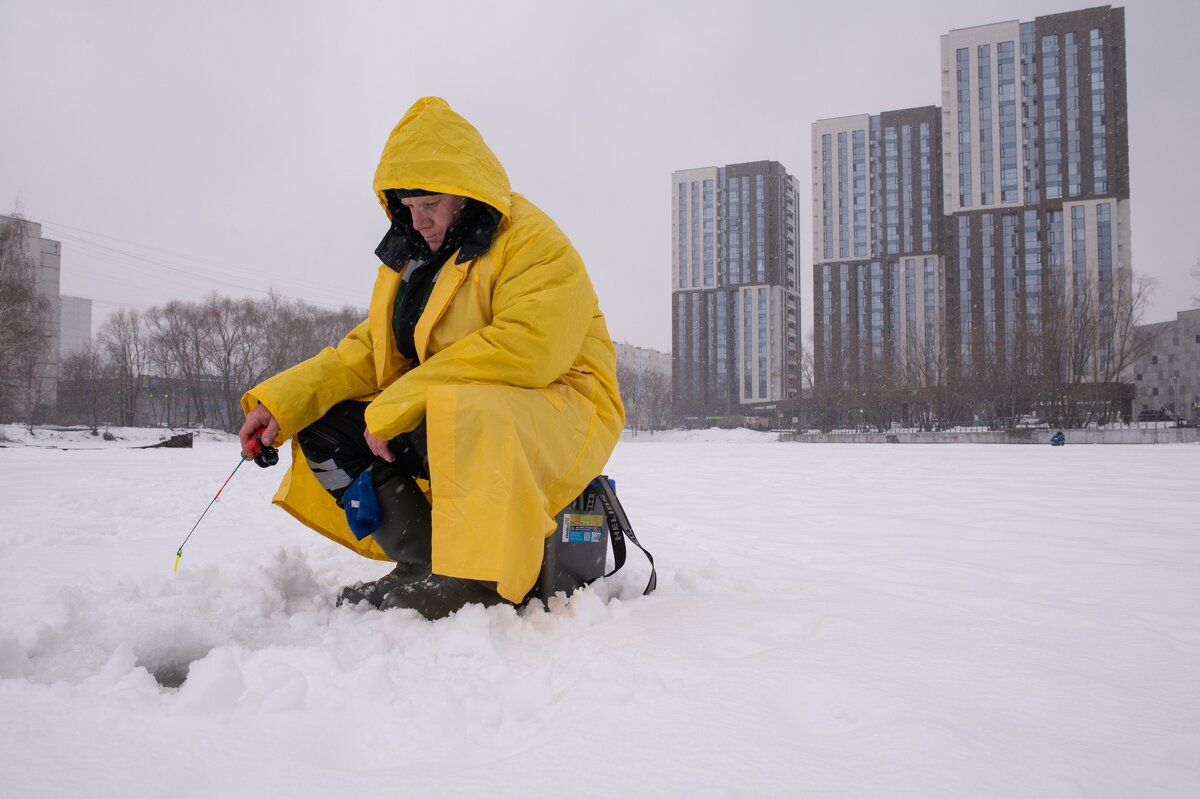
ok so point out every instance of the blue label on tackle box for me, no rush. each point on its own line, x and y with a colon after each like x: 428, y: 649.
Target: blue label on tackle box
x: 582, y: 528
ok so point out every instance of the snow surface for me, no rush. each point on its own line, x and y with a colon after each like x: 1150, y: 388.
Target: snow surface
x: 832, y: 620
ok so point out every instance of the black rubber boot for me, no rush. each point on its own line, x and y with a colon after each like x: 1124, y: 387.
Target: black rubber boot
x: 405, y: 522
x: 374, y: 591
x: 436, y: 596
x: 404, y: 533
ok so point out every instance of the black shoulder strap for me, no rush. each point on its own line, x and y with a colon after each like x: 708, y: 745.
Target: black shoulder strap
x: 620, y: 529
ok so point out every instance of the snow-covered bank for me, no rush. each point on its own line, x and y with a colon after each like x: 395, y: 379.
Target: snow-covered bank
x: 105, y: 437
x: 832, y: 620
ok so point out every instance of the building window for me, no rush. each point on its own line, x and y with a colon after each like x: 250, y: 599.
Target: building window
x: 1033, y: 273
x: 826, y: 196
x: 1054, y: 246
x: 1104, y: 255
x: 1099, y: 131
x: 1079, y: 255
x: 1031, y: 152
x: 984, y: 68
x: 843, y: 196
x: 964, y: 289
x: 763, y: 343
x: 760, y: 223
x: 682, y: 234
x: 859, y: 176
x: 929, y: 343
x: 681, y: 339
x: 695, y: 217
x: 891, y: 190
x: 1010, y: 242
x: 747, y: 345
x: 1074, y: 156
x: 906, y: 187
x: 721, y: 343
x: 1007, y: 76
x: 696, y: 351
x: 988, y: 236
x: 709, y: 235
x: 1051, y: 117
x: 746, y: 276
x: 963, y: 82
x: 733, y: 224
x: 926, y: 189
x: 876, y: 310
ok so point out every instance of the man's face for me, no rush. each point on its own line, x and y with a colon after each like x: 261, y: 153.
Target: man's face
x: 433, y: 214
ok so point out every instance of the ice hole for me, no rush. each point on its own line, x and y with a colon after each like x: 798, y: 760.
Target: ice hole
x: 170, y: 666
x: 170, y: 675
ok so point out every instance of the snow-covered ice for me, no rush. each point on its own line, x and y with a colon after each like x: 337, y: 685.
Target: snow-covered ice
x: 831, y: 620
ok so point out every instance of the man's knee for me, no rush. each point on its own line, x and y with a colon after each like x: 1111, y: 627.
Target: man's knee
x: 334, y: 447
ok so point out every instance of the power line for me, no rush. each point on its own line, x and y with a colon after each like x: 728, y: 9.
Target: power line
x: 186, y: 270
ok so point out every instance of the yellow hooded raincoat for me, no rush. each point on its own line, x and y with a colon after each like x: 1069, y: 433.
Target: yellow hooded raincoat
x: 517, y: 375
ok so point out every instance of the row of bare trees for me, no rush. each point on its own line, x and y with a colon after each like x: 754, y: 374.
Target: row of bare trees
x: 188, y: 363
x: 1071, y: 368
x: 646, y: 394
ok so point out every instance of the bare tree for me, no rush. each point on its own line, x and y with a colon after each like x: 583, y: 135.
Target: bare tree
x: 940, y: 398
x: 656, y: 399
x: 123, y: 339
x: 178, y: 337
x: 83, y: 388
x: 292, y: 331
x: 229, y: 348
x: 1130, y: 342
x: 629, y: 381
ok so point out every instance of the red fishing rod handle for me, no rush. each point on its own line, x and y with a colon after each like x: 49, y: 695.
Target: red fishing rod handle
x: 257, y: 451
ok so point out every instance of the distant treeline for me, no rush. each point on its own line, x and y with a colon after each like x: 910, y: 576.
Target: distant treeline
x: 188, y: 363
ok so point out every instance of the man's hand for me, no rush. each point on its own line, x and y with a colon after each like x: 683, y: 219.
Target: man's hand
x: 378, y: 445
x: 259, y: 417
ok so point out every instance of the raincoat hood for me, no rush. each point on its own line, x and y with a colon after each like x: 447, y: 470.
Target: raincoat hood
x: 435, y: 149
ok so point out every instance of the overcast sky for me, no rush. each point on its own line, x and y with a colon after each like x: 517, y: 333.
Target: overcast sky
x: 179, y: 148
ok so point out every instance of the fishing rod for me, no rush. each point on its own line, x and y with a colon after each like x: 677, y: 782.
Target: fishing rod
x: 256, y: 451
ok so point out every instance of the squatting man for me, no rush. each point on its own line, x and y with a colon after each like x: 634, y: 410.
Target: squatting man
x: 477, y: 398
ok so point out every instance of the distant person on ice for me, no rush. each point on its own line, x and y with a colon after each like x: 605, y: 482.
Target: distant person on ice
x: 1058, y: 439
x: 477, y: 399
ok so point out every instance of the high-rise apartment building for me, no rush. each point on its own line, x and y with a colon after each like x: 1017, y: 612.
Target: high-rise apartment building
x: 735, y: 289
x: 976, y: 237
x: 1036, y: 193
x: 877, y: 218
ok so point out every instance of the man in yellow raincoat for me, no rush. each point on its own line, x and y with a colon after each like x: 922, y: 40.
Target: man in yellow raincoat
x: 477, y: 399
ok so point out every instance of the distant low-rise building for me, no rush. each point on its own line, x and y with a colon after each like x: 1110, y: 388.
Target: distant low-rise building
x: 45, y: 255
x: 1168, y: 376
x: 75, y: 326
x: 644, y: 375
x: 642, y: 359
